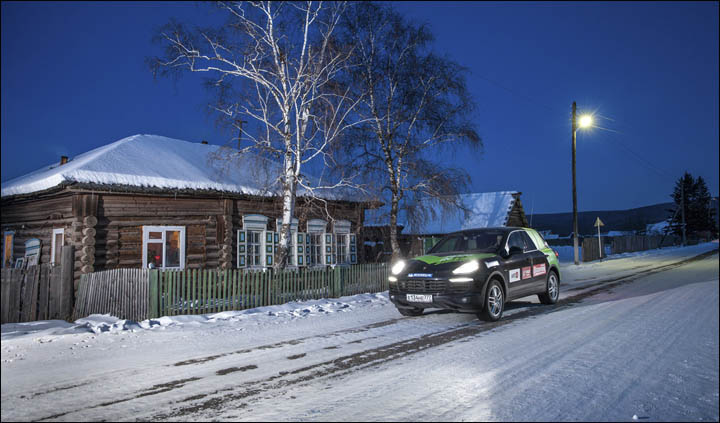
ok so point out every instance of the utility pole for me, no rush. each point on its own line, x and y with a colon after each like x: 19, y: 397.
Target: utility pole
x: 682, y: 205
x: 575, y: 216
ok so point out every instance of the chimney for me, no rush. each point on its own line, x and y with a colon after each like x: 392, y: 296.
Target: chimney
x: 63, y: 160
x: 204, y: 142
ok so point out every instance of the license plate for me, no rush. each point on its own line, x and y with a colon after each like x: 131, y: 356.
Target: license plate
x: 416, y: 298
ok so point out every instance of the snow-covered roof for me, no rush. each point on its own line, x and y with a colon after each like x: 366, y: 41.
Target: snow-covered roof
x: 487, y: 210
x: 158, y: 162
x: 657, y: 228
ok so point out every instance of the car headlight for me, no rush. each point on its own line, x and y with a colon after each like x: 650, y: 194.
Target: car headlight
x: 466, y: 268
x: 398, y: 267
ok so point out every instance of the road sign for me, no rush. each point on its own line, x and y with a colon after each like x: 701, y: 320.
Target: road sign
x: 599, y: 223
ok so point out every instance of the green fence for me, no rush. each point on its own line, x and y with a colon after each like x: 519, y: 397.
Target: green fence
x: 200, y: 291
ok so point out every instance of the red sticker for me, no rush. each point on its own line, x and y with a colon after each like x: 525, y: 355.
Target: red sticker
x: 526, y: 272
x: 539, y: 269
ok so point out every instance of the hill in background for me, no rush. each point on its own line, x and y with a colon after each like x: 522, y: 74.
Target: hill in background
x: 614, y: 220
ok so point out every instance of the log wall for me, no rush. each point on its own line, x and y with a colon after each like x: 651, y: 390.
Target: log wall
x: 106, y: 227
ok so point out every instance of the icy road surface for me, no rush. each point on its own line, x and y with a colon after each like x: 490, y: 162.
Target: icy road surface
x: 635, y: 336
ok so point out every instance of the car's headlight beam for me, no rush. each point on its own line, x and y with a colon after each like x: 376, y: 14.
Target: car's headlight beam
x: 398, y: 267
x: 466, y: 268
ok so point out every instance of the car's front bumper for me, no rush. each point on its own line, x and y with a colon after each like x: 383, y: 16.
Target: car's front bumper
x: 465, y: 301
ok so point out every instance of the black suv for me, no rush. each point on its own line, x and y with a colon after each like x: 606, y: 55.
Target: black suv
x: 477, y: 271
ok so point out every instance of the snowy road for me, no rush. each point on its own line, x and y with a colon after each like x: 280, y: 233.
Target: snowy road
x: 637, y: 336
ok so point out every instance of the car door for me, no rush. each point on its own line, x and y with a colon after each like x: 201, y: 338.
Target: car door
x: 538, y: 273
x: 518, y: 265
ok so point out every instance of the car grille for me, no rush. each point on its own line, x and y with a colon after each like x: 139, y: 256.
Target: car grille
x: 422, y: 286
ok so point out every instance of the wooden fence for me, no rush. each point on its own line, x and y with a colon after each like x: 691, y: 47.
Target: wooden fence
x: 140, y: 294
x: 38, y: 292
x: 591, y: 249
x: 124, y: 293
x: 627, y: 244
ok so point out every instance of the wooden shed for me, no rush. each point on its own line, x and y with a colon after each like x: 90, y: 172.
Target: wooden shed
x: 151, y: 201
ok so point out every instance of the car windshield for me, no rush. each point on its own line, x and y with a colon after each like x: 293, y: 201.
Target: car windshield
x: 483, y: 241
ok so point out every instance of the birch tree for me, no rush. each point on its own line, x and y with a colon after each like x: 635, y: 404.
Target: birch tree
x: 274, y: 65
x: 414, y: 104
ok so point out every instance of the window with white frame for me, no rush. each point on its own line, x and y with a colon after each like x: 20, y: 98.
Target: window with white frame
x: 315, y: 247
x: 315, y: 230
x: 164, y: 247
x: 341, y: 248
x: 57, y: 243
x: 341, y: 228
x: 252, y: 242
x: 254, y: 248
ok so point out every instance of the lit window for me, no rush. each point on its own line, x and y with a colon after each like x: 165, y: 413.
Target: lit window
x: 164, y: 247
x: 9, y: 237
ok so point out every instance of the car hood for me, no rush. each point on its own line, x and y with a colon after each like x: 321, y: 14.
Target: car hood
x: 442, y: 262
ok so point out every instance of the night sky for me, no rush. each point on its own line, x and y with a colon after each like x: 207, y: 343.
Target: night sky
x: 74, y: 78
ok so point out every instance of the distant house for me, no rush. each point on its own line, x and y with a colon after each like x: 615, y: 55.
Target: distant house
x: 486, y: 210
x: 152, y: 201
x: 659, y: 228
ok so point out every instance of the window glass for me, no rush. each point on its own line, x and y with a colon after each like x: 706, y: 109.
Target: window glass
x: 315, y: 249
x: 517, y: 240
x: 254, y: 251
x: 172, y: 248
x: 341, y: 247
x: 485, y: 240
x: 154, y: 254
x: 8, y: 249
x: 529, y: 243
x: 164, y: 247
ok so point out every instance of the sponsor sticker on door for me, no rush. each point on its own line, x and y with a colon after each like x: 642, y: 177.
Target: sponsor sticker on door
x: 539, y: 269
x: 514, y: 275
x: 527, y: 272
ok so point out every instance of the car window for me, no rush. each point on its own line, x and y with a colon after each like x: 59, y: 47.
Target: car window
x: 540, y: 242
x: 517, y: 240
x: 486, y: 241
x: 529, y: 243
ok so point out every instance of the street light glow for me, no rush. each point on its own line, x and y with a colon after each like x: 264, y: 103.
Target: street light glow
x: 585, y: 121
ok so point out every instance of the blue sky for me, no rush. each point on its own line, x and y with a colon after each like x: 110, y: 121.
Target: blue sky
x: 74, y: 78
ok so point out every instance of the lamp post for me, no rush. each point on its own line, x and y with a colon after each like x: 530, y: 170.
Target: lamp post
x: 585, y: 122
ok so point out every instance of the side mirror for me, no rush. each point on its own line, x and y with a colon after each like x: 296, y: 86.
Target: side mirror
x: 515, y: 250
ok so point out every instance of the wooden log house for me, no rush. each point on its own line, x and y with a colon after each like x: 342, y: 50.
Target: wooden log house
x: 151, y: 201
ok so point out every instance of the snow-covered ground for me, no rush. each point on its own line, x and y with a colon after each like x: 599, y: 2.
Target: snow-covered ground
x: 612, y: 349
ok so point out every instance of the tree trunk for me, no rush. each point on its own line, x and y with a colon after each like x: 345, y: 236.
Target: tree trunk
x: 289, y: 186
x: 396, y: 253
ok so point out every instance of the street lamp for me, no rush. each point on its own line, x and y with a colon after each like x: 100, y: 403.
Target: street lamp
x: 585, y: 122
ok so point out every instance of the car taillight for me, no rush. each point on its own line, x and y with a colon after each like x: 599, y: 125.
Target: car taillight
x: 556, y: 254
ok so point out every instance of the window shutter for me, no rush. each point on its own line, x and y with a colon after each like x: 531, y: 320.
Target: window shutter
x: 307, y: 249
x: 241, y: 249
x: 328, y: 249
x: 270, y: 247
x: 353, y: 249
x: 300, y: 249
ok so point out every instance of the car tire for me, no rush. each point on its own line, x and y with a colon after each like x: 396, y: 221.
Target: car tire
x: 410, y: 312
x: 552, y: 289
x: 494, y: 304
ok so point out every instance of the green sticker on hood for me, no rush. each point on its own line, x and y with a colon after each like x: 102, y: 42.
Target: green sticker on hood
x: 434, y: 260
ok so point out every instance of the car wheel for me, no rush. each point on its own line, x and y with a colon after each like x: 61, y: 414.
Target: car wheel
x: 494, y: 303
x: 410, y: 311
x: 552, y: 289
